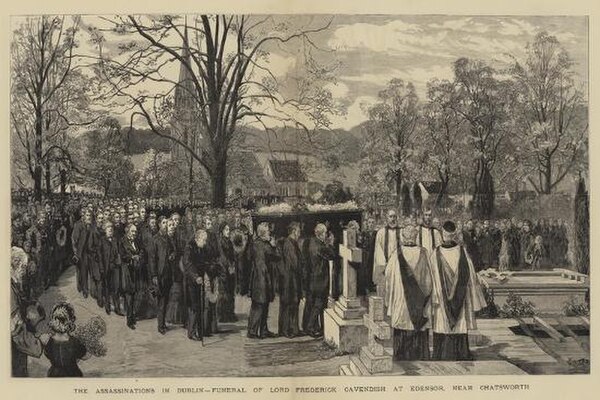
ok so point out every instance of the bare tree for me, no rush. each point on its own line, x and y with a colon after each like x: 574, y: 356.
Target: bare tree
x: 444, y: 128
x: 552, y: 115
x: 391, y: 128
x: 484, y: 103
x: 232, y: 83
x: 48, y: 96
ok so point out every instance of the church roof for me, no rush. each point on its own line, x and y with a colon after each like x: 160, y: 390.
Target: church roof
x: 287, y: 171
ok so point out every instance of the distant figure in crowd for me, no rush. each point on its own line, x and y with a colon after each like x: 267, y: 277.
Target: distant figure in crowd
x: 535, y: 253
x: 457, y: 295
x: 226, y: 301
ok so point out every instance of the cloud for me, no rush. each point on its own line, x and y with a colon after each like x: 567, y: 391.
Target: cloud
x: 393, y: 37
x: 462, y: 24
x: 356, y: 113
x: 516, y: 27
x: 338, y: 89
x: 279, y: 65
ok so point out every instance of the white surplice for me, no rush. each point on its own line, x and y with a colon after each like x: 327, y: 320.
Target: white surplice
x: 429, y: 238
x: 474, y: 299
x: 397, y: 308
x: 380, y: 260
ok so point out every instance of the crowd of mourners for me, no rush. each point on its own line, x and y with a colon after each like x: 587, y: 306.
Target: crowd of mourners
x: 184, y: 263
x: 177, y: 262
x: 507, y: 244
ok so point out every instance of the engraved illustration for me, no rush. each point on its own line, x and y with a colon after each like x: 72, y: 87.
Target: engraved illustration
x: 299, y: 195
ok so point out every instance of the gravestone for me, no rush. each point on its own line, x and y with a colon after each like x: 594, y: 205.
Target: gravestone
x: 376, y: 356
x: 548, y: 290
x: 343, y: 322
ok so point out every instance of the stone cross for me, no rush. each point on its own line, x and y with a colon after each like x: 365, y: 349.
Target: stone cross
x: 348, y: 305
x: 343, y: 319
x: 374, y: 356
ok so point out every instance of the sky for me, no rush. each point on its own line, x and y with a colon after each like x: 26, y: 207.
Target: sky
x: 373, y: 49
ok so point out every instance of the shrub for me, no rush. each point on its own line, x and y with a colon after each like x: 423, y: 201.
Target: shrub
x: 572, y: 308
x: 491, y: 310
x: 516, y: 307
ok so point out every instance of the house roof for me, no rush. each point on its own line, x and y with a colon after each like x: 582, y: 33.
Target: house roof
x: 245, y: 170
x: 287, y: 171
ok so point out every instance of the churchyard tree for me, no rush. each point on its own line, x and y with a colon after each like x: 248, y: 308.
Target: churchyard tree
x: 390, y: 134
x: 484, y: 103
x: 49, y: 97
x: 551, y: 113
x: 227, y: 59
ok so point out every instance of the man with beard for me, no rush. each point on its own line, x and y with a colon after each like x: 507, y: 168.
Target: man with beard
x: 261, y: 289
x: 162, y: 266
x: 130, y: 270
x: 385, y: 244
x: 457, y: 295
x: 84, y: 248
x: 118, y: 226
x: 110, y: 250
x: 408, y: 297
x: 290, y: 283
x: 320, y: 253
x: 197, y: 262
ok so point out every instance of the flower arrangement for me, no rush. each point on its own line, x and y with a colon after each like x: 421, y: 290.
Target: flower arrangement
x: 90, y: 335
x: 287, y: 208
x: 501, y: 277
x: 516, y: 307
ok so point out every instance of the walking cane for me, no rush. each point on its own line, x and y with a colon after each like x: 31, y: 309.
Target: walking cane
x: 202, y: 312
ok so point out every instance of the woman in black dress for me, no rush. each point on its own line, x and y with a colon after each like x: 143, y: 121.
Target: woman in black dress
x: 62, y: 349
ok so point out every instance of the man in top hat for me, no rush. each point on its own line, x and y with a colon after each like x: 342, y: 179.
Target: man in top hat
x: 408, y: 280
x: 457, y: 295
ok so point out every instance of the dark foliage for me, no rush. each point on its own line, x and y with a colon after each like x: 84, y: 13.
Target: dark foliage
x: 582, y: 228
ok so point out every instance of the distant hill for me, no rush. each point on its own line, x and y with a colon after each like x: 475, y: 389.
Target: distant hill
x: 346, y: 144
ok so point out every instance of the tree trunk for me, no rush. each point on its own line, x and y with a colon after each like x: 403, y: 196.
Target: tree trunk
x: 219, y: 183
x: 37, y: 173
x: 399, y: 190
x: 582, y: 229
x: 406, y: 201
x: 191, y: 178
x: 63, y: 182
x: 48, y: 180
x: 483, y: 192
x: 418, y: 205
x: 547, y: 188
x: 442, y: 194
